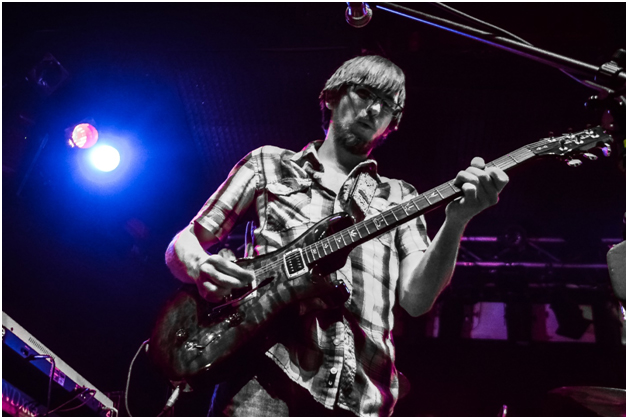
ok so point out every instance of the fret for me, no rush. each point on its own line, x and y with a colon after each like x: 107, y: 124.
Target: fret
x: 353, y: 234
x: 326, y: 246
x: 307, y: 256
x: 515, y: 160
x: 366, y: 227
x: 446, y: 192
x: 423, y: 202
x: 377, y: 221
x: 433, y: 194
x: 452, y: 186
x: 332, y: 242
x: 363, y: 233
x: 392, y: 211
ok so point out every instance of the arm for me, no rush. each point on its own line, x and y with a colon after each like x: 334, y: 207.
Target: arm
x: 187, y: 255
x: 423, y: 278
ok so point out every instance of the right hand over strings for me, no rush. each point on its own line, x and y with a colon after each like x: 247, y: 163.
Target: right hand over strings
x: 219, y: 275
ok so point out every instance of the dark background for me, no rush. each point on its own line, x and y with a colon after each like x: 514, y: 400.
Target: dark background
x: 185, y: 90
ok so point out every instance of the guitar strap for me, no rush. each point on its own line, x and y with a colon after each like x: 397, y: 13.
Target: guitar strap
x: 360, y: 196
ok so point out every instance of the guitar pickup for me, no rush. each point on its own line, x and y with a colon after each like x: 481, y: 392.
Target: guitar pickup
x: 294, y: 264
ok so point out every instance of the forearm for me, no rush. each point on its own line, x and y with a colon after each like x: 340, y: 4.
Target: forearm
x: 185, y: 255
x: 422, y: 282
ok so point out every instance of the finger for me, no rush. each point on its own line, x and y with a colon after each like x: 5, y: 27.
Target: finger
x: 211, y: 292
x: 465, y: 176
x: 499, y: 177
x: 483, y: 176
x: 227, y: 254
x: 229, y: 268
x: 478, y: 162
x: 210, y: 273
x: 469, y: 190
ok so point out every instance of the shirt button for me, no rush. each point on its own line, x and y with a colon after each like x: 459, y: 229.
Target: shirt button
x: 336, y: 341
x: 333, y: 370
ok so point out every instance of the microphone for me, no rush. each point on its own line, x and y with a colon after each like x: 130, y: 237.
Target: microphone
x: 358, y: 14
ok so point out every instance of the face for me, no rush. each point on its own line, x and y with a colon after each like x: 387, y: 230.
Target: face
x: 361, y: 118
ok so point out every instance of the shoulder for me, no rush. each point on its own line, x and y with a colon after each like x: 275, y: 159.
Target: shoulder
x: 272, y: 152
x: 265, y: 156
x: 273, y: 163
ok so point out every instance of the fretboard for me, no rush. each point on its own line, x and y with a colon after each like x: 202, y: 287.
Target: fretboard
x: 372, y: 227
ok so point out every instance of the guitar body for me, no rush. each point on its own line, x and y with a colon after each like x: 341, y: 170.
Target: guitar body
x: 201, y: 342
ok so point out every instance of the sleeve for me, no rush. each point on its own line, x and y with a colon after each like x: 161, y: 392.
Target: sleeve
x: 232, y: 198
x: 412, y: 236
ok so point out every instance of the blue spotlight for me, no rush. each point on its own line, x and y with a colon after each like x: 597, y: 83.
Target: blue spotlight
x: 105, y: 158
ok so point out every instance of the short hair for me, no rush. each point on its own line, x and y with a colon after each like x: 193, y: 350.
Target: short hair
x: 369, y: 70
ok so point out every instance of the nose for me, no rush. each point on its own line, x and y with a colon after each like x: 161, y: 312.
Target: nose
x: 375, y: 108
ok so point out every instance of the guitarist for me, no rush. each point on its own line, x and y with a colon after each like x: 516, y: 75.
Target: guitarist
x: 335, y: 361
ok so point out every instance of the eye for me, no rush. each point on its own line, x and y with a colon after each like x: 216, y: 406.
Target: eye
x: 363, y: 93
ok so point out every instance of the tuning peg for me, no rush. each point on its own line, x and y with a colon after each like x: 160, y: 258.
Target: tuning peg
x: 574, y: 163
x: 590, y: 156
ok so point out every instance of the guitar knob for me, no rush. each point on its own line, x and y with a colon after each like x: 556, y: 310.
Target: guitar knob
x: 590, y: 156
x: 574, y: 163
x: 181, y: 335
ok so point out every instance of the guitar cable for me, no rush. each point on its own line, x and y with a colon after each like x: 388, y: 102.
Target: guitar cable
x: 128, y: 377
x: 171, y: 400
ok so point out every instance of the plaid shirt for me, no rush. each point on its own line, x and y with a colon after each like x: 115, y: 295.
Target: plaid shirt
x: 346, y: 356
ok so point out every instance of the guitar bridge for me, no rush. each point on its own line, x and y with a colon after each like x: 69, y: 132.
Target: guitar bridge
x: 294, y: 263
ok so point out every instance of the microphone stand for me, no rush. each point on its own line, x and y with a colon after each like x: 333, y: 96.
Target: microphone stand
x: 608, y: 76
x: 609, y: 79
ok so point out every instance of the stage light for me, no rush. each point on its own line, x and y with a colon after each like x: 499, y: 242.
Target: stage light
x: 83, y: 136
x: 105, y: 158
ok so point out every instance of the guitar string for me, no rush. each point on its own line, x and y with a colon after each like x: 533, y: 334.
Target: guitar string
x: 505, y: 162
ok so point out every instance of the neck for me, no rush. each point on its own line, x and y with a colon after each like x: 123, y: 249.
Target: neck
x: 333, y: 154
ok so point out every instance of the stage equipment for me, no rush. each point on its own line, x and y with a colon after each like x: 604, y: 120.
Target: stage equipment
x: 47, y: 75
x: 527, y: 289
x: 25, y: 345
x: 105, y: 158
x: 586, y: 401
x: 616, y: 258
x: 83, y: 135
x: 358, y: 15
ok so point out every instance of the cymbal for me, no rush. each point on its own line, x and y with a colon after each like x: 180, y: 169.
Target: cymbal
x: 604, y: 401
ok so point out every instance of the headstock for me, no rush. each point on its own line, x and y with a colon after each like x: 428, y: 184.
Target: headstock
x: 573, y: 145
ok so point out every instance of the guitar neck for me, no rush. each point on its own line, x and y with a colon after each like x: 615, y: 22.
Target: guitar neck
x: 370, y: 228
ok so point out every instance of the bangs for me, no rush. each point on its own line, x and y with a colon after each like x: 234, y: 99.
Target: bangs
x: 372, y: 71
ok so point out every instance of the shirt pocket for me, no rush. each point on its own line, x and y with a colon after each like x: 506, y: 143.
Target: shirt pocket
x: 287, y: 203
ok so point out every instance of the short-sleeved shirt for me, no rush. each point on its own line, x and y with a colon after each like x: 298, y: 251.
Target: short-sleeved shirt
x: 343, y: 357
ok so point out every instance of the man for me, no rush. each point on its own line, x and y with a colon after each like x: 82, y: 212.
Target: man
x: 334, y: 361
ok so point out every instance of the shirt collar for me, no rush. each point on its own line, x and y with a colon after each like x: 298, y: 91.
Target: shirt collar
x: 310, y: 154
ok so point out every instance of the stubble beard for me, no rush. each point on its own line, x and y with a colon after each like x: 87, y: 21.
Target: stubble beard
x: 357, y: 144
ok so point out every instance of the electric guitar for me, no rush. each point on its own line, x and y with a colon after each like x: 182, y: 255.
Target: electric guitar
x: 201, y: 343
